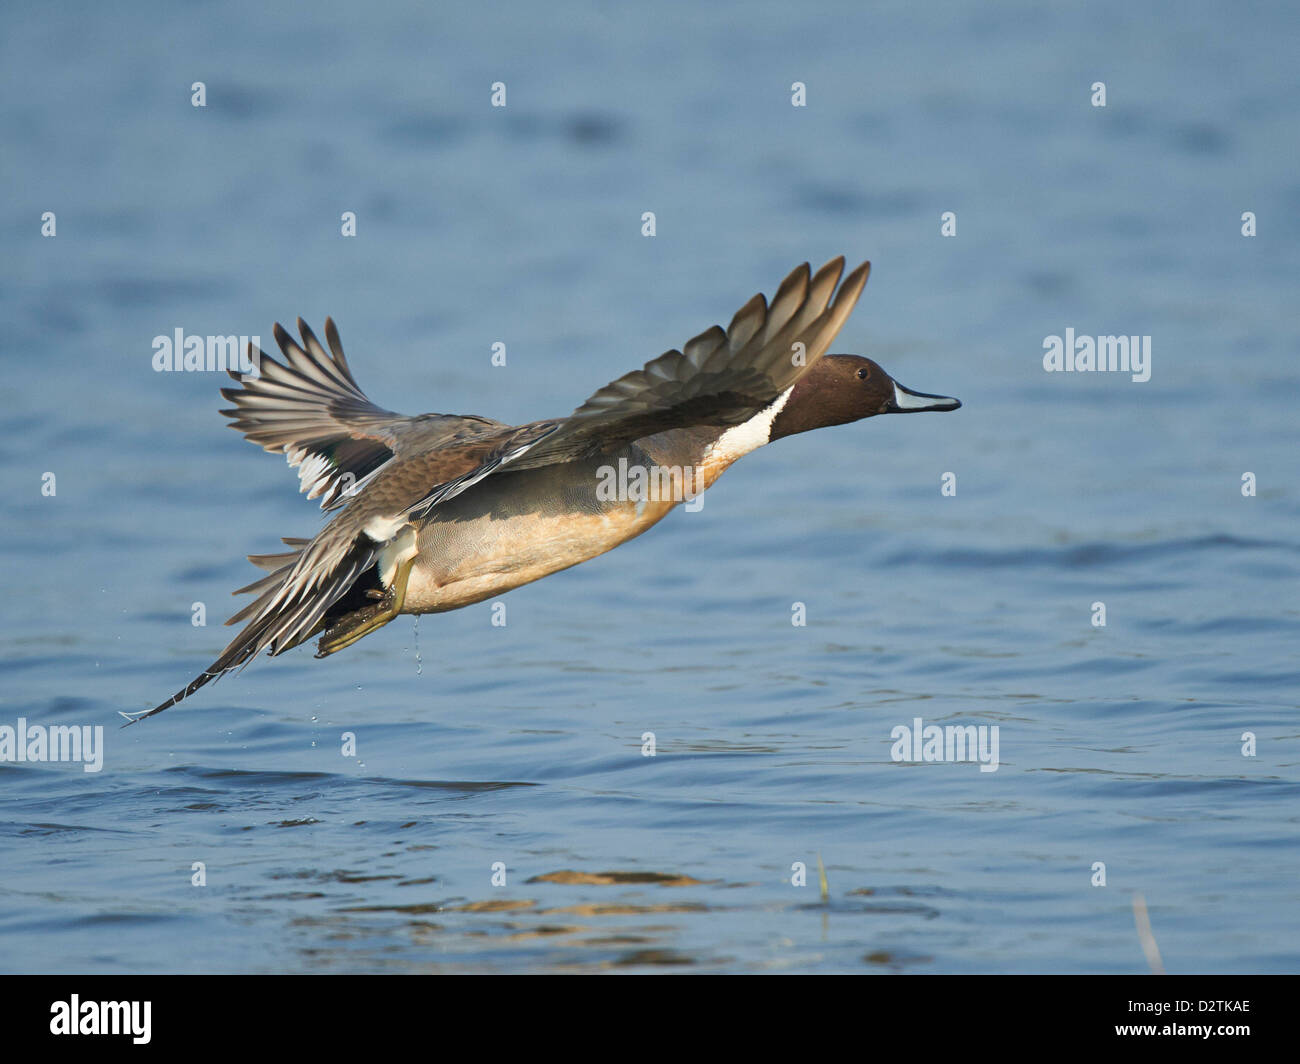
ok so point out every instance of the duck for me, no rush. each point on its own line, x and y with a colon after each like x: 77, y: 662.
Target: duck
x: 436, y: 512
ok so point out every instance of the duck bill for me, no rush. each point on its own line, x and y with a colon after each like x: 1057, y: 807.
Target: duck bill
x: 906, y: 401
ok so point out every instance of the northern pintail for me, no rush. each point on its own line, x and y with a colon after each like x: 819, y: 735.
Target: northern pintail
x: 438, y: 511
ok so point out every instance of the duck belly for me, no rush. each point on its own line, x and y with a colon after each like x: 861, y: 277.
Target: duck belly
x: 515, y: 528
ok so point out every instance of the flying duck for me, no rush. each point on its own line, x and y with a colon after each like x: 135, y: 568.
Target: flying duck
x: 440, y: 511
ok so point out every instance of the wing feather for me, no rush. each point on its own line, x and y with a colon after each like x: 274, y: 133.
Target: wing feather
x: 310, y: 409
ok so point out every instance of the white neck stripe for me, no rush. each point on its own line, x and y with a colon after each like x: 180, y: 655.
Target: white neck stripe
x: 750, y: 435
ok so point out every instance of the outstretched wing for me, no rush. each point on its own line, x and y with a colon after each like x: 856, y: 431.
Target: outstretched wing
x: 311, y: 409
x: 718, y: 378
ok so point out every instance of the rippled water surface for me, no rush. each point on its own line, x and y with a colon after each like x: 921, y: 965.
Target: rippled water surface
x: 520, y: 747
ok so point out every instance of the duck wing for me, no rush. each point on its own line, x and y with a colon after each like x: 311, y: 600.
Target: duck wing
x: 721, y: 377
x: 311, y: 409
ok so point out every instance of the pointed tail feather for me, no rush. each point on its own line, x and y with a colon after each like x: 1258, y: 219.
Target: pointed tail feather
x: 200, y: 680
x: 242, y: 649
x: 290, y: 610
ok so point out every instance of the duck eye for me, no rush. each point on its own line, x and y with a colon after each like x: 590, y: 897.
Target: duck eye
x: 863, y: 374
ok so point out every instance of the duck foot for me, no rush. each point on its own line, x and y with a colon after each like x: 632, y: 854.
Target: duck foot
x: 360, y: 623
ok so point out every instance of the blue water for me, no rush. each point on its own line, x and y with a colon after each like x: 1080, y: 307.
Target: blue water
x: 522, y: 744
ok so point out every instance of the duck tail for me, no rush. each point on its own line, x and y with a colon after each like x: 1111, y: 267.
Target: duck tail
x: 292, y: 601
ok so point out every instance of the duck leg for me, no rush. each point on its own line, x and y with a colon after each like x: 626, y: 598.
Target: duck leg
x: 362, y: 622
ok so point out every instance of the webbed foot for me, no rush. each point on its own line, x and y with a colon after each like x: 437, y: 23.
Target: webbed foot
x: 360, y: 623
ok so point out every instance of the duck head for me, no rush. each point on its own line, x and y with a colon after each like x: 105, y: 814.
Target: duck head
x: 843, y: 388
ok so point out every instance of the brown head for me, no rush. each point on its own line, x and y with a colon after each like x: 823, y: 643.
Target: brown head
x: 843, y: 388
